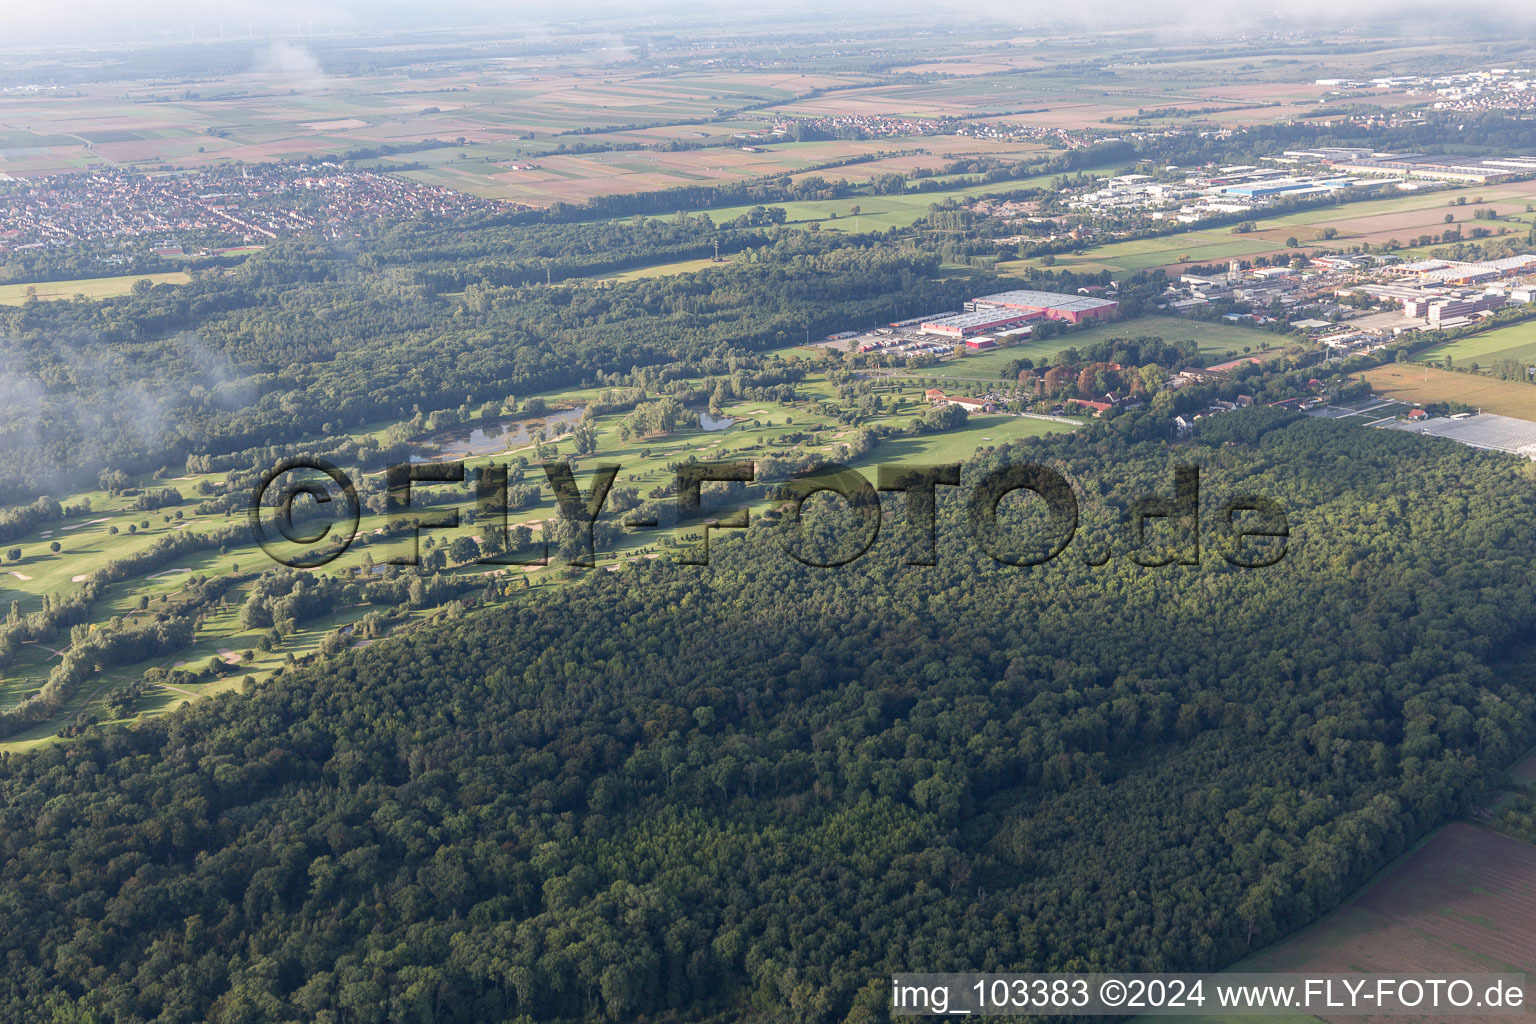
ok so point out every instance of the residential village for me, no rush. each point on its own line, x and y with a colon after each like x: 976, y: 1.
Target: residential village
x: 249, y: 203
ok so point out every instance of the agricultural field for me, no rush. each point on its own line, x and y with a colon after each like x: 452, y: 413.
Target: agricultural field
x: 111, y: 529
x: 878, y: 212
x: 286, y: 107
x: 1404, y: 217
x: 1046, y: 99
x: 1412, y: 382
x: 509, y: 171
x: 1517, y: 342
x: 502, y: 131
x: 1213, y: 245
x: 1371, y: 221
x: 1464, y: 901
x: 90, y: 287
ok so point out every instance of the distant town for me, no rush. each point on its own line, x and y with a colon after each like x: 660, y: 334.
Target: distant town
x: 1491, y: 89
x: 240, y: 204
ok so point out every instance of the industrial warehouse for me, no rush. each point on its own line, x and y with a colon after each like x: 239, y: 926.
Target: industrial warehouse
x: 1446, y: 294
x: 1003, y: 310
x: 986, y: 321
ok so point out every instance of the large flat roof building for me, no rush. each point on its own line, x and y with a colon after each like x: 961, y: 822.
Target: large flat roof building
x: 1071, y: 308
x: 982, y: 320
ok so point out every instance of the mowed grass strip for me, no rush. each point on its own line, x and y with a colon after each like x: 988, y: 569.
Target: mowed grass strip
x: 1415, y: 382
x: 90, y: 287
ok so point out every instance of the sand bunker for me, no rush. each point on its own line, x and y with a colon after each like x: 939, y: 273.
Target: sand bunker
x: 20, y: 575
x: 81, y: 526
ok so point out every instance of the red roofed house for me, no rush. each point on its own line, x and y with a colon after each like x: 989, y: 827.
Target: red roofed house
x: 1097, y: 407
x: 938, y: 397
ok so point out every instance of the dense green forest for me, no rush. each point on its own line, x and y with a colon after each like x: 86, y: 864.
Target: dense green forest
x: 752, y: 790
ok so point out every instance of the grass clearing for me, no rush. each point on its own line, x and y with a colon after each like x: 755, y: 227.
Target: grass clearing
x: 666, y: 269
x: 89, y: 287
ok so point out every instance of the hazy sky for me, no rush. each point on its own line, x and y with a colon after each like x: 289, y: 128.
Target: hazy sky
x: 30, y: 23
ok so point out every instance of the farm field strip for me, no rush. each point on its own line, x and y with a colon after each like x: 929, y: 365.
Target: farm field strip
x: 1415, y: 382
x: 1463, y: 901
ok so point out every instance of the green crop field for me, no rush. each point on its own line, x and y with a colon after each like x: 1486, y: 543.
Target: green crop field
x: 90, y: 287
x: 1517, y: 342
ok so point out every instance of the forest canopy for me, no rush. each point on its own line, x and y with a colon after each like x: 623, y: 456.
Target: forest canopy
x: 682, y: 792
